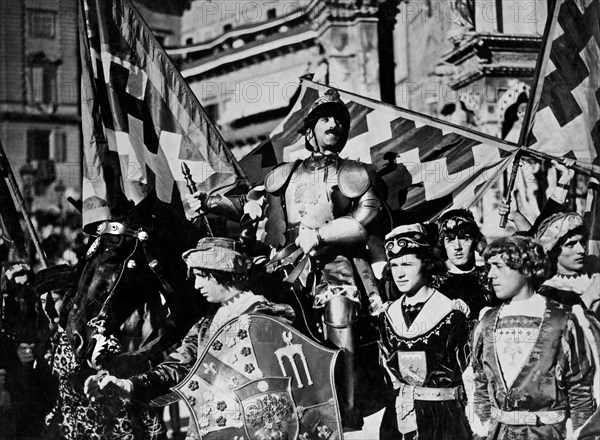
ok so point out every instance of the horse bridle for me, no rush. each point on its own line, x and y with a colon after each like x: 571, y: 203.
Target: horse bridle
x: 142, y: 237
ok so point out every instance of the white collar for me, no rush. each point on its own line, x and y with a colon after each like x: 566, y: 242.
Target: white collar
x: 455, y: 270
x: 534, y: 306
x: 436, y: 308
x: 572, y: 283
x: 234, y: 307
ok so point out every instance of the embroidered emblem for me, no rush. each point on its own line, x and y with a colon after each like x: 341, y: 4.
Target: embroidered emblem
x: 290, y: 351
x: 306, y: 194
x: 413, y: 366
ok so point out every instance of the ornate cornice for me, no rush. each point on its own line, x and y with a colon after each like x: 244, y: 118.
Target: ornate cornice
x: 251, y: 54
x: 492, y: 55
x: 247, y: 34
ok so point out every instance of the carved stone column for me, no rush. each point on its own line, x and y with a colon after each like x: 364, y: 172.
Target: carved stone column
x: 349, y: 32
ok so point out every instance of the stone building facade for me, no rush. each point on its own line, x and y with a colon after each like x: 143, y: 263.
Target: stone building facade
x: 39, y: 95
x: 468, y: 61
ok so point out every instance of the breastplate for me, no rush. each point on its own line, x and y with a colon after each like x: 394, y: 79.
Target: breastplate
x: 312, y: 197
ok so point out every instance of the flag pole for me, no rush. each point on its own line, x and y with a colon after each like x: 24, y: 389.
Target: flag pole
x: 9, y: 176
x: 534, y: 98
x: 511, y: 184
x: 594, y: 172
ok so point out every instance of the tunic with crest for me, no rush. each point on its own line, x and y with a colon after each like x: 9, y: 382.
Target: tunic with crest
x: 431, y: 351
x: 532, y: 356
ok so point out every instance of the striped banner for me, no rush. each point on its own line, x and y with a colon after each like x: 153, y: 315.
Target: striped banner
x: 429, y: 165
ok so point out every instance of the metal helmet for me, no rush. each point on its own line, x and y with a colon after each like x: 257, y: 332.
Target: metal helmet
x: 328, y: 104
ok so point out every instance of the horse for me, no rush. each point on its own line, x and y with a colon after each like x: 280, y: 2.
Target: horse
x: 134, y: 268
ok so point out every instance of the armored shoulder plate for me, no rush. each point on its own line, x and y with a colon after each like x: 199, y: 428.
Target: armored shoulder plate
x: 278, y: 177
x: 353, y: 179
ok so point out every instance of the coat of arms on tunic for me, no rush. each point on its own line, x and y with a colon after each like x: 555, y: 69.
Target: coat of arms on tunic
x: 257, y: 379
x: 413, y: 366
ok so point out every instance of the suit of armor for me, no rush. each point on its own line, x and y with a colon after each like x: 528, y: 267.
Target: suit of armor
x: 336, y: 198
x: 333, y: 196
x: 335, y: 202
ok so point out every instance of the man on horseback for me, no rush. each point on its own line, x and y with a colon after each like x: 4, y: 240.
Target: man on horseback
x: 221, y: 272
x: 319, y: 214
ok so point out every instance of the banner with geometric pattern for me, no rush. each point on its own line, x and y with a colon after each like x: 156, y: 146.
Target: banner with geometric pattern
x: 428, y: 165
x: 140, y: 119
x: 565, y: 116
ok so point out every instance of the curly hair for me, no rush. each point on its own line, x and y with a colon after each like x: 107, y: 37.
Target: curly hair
x: 524, y: 255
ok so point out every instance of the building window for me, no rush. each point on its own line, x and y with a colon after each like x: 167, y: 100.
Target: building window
x: 58, y: 147
x: 38, y: 145
x: 271, y: 13
x: 42, y: 84
x: 42, y: 24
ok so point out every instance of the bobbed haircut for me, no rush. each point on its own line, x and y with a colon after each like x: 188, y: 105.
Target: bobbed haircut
x: 227, y: 279
x: 524, y: 255
x: 430, y: 257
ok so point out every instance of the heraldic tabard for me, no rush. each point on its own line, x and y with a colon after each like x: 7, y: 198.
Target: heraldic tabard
x: 260, y: 379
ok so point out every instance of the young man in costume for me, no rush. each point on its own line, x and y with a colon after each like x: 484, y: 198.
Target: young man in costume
x: 424, y: 346
x: 221, y: 275
x: 532, y: 356
x: 319, y: 213
x: 564, y: 238
x: 459, y: 239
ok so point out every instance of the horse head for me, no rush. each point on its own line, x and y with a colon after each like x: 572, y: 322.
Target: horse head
x: 134, y: 262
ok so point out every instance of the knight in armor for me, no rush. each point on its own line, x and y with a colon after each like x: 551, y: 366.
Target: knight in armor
x: 464, y: 281
x: 221, y: 270
x: 319, y: 214
x: 424, y: 346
